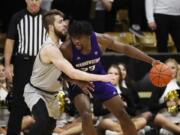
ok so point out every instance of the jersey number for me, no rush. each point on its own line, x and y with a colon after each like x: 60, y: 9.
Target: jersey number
x: 90, y: 68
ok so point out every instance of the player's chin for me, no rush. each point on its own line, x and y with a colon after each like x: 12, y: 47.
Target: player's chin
x: 64, y: 32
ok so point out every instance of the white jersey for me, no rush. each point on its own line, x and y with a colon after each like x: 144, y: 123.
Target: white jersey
x: 44, y: 84
x: 45, y: 76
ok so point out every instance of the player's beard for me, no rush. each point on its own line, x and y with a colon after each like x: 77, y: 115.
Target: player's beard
x: 59, y: 33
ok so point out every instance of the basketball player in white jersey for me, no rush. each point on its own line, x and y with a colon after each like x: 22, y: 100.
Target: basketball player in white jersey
x: 40, y: 93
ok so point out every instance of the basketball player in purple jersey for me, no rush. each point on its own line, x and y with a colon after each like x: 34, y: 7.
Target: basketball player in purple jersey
x: 84, y: 51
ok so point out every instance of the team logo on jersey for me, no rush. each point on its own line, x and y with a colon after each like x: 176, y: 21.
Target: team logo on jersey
x: 96, y: 52
x: 88, y: 62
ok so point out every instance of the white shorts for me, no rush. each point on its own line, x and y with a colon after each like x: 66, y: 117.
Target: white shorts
x: 32, y: 96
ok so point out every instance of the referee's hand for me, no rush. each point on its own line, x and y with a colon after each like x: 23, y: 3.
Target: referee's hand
x: 9, y: 72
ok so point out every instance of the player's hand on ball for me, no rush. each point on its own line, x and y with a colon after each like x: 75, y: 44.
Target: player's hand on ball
x: 156, y: 62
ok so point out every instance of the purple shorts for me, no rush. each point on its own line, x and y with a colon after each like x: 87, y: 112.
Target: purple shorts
x: 102, y: 91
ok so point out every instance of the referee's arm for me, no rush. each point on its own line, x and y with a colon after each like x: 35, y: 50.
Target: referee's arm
x: 8, y: 50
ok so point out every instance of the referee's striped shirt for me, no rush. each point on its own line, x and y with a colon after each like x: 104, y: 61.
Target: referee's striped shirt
x: 27, y: 29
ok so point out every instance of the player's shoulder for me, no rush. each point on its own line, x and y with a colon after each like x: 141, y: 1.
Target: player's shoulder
x: 102, y: 36
x: 50, y: 52
x: 104, y: 40
x: 49, y: 47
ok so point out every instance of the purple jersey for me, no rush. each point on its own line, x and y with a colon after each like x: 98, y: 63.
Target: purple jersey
x: 92, y: 63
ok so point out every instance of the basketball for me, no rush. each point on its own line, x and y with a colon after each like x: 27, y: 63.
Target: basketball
x: 160, y: 75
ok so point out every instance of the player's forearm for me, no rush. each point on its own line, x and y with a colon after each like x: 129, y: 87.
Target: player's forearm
x: 137, y: 54
x: 8, y: 52
x: 76, y: 74
x: 72, y: 81
x: 83, y: 76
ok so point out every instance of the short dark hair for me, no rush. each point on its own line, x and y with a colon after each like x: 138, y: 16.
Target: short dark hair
x: 78, y: 28
x: 48, y: 17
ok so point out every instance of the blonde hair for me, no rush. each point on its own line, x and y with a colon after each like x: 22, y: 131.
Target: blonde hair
x: 174, y: 62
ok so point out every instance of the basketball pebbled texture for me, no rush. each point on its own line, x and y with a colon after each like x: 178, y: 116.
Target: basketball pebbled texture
x: 160, y: 75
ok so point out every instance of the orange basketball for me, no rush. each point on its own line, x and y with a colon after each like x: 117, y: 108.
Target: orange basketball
x: 160, y: 75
